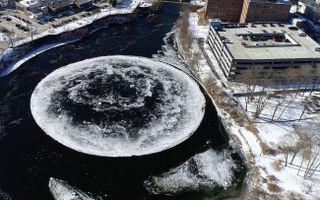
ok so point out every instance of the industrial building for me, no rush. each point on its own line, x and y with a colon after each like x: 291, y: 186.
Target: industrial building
x: 248, y: 10
x: 272, y: 47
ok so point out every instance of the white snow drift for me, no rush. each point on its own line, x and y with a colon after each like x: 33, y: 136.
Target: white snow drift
x: 118, y: 106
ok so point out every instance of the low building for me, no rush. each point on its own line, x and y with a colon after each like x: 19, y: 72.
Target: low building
x: 274, y: 49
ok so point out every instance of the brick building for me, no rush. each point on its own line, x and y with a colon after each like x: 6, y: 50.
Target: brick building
x: 248, y: 10
x: 265, y: 11
x: 225, y: 10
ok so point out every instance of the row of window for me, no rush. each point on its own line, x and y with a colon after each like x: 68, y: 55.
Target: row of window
x: 278, y: 62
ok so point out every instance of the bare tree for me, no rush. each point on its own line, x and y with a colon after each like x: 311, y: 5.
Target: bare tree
x: 183, y: 33
x: 193, y: 61
x: 315, y: 79
x: 10, y: 39
x: 305, y: 73
x: 313, y: 165
x: 306, y: 155
x: 286, y: 146
x: 309, y: 188
x: 302, y: 144
x: 251, y: 80
x: 262, y: 101
x: 279, y: 103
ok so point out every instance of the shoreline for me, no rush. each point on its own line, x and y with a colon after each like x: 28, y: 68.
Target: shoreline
x: 231, y: 133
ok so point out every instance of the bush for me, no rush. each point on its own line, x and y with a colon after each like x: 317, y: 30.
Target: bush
x: 294, y: 196
x: 273, y: 187
x: 277, y: 165
x: 267, y: 150
x: 256, y: 193
x: 250, y: 127
x: 272, y: 178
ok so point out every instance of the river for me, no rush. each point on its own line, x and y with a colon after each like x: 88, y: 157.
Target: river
x: 28, y: 157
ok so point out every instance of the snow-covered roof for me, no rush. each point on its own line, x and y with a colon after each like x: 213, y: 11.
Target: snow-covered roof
x: 29, y: 3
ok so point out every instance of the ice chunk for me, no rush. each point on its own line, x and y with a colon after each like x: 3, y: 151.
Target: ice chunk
x: 204, y: 171
x: 61, y: 190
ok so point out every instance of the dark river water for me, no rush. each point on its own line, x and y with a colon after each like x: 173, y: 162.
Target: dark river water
x: 28, y: 157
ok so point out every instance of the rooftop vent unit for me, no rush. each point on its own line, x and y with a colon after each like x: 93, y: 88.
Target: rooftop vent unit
x: 226, y: 40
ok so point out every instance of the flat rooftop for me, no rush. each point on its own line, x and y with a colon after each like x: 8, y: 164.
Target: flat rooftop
x: 268, y: 41
x: 274, y: 1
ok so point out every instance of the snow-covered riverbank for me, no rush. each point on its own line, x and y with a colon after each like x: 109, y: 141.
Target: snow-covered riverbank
x: 260, y: 139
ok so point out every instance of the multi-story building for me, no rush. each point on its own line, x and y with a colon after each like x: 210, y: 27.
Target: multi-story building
x: 249, y: 10
x: 225, y: 10
x: 273, y: 48
x: 265, y: 11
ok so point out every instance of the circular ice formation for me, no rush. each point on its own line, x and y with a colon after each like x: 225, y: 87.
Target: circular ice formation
x: 118, y: 106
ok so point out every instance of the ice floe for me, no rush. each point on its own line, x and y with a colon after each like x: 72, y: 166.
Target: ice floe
x: 118, y: 106
x: 202, y: 172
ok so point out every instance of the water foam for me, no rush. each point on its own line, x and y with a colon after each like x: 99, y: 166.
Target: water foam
x: 204, y: 171
x: 118, y: 106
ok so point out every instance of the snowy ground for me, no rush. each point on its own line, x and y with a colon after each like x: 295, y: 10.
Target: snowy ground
x: 274, y: 132
x: 200, y: 32
x: 267, y: 132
